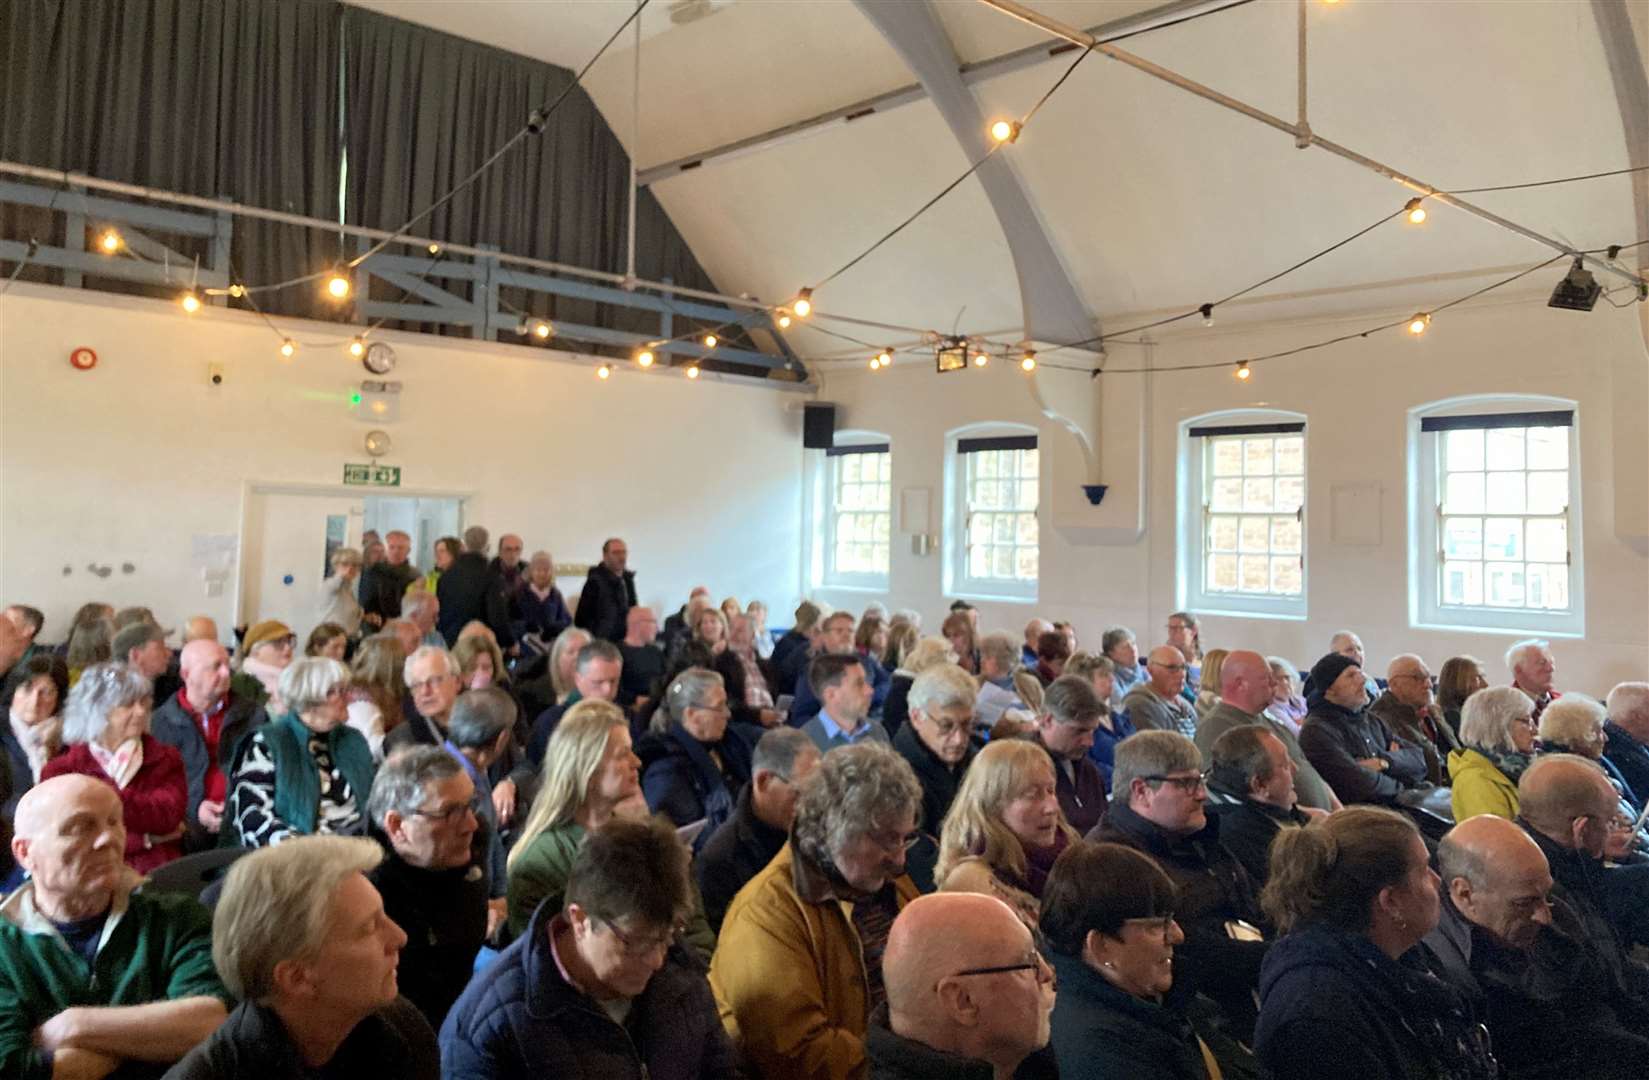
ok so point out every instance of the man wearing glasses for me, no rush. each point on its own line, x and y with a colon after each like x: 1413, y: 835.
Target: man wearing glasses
x: 431, y: 673
x: 1157, y: 807
x: 1155, y: 704
x: 1408, y: 708
x: 968, y: 994
x: 432, y: 881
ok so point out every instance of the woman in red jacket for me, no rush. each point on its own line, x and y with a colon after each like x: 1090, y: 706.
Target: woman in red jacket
x: 106, y: 727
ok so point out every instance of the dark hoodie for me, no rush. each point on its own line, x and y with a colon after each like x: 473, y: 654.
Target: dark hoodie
x: 1334, y: 1005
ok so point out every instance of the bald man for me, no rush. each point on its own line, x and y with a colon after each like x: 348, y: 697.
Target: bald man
x: 92, y: 974
x: 200, y: 628
x: 1407, y: 707
x: 968, y: 995
x: 1566, y: 804
x: 1350, y: 646
x: 1245, y: 691
x: 1553, y: 1004
x: 1155, y: 704
x: 205, y: 721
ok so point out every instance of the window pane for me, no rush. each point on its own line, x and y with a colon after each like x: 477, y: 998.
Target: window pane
x: 979, y: 529
x: 884, y: 471
x: 1462, y: 583
x: 1222, y: 573
x: 1028, y: 460
x: 1291, y: 454
x: 1025, y: 532
x: 1222, y: 534
x: 984, y: 495
x: 1255, y: 572
x: 984, y: 465
x: 1026, y: 561
x: 1290, y: 493
x: 1027, y: 494
x: 1505, y: 493
x: 1285, y: 536
x: 1227, y: 495
x: 1463, y: 450
x: 1256, y: 455
x: 1007, y: 494
x: 1227, y: 457
x: 1503, y: 538
x: 1549, y: 586
x: 1504, y: 448
x: 1285, y: 576
x: 979, y: 561
x: 850, y: 468
x: 1002, y: 529
x: 1548, y: 492
x: 1548, y: 448
x: 1255, y: 533
x: 1504, y: 585
x: 1463, y: 538
x: 1256, y: 494
x: 1463, y: 493
x: 1002, y: 562
x: 1548, y: 540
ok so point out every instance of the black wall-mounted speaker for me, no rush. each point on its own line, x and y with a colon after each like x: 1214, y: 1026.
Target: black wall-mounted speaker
x: 818, y: 426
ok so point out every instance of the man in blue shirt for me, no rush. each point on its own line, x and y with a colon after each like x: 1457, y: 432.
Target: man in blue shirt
x: 842, y: 719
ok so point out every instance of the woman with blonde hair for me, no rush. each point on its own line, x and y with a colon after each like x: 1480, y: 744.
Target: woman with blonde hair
x: 1005, y: 828
x: 564, y: 659
x: 589, y: 772
x: 1208, y: 693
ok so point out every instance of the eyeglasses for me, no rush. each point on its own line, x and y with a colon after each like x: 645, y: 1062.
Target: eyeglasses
x: 447, y: 815
x: 725, y: 710
x: 887, y: 843
x: 1188, y: 784
x: 434, y: 682
x: 948, y: 730
x: 1160, y: 924
x: 636, y: 948
x: 1044, y: 971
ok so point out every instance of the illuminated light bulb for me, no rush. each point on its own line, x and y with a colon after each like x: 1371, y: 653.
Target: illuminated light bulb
x: 357, y: 347
x: 1418, y: 324
x: 603, y: 372
x: 980, y: 359
x: 1242, y: 371
x: 710, y: 341
x: 784, y: 321
x: 1005, y: 131
x: 1416, y: 212
x: 288, y: 347
x: 692, y: 371
x: 337, y: 286
x: 1207, y: 314
x: 645, y: 358
x: 803, y: 307
x: 885, y: 357
x: 379, y: 407
x: 1028, y: 361
x: 190, y: 302
x: 875, y: 363
x: 237, y: 291
x: 542, y: 329
x: 435, y: 249
x: 110, y: 241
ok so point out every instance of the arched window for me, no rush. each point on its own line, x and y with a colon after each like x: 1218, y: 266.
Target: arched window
x: 1242, y: 491
x: 1495, y: 515
x: 854, y: 511
x: 993, y: 493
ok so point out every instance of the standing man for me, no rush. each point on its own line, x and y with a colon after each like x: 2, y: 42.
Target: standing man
x: 384, y: 583
x: 1245, y: 691
x: 205, y: 722
x: 469, y: 590
x: 1156, y: 704
x: 507, y: 564
x: 609, y: 593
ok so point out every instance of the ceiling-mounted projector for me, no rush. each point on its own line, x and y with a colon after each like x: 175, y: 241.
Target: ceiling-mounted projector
x: 1578, y: 291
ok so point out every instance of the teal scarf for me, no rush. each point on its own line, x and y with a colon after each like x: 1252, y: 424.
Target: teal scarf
x: 297, y: 777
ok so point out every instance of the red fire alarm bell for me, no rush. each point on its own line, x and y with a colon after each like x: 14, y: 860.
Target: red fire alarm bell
x: 83, y: 359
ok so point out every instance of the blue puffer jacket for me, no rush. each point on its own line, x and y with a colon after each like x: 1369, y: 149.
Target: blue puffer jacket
x: 520, y: 1019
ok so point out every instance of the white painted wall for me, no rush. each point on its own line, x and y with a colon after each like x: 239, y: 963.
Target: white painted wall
x: 128, y: 462
x: 1356, y: 396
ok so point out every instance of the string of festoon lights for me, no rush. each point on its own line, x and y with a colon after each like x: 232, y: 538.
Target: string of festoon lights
x: 977, y: 351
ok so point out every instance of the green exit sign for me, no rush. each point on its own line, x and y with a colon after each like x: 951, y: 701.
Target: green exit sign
x: 373, y: 475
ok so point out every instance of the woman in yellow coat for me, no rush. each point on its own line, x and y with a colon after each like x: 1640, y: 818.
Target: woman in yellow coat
x: 1497, y: 731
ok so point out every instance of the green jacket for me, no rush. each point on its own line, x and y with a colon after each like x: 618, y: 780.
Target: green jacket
x: 1477, y: 786
x: 154, y: 948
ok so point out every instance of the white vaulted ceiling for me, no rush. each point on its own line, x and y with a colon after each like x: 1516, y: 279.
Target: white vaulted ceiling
x: 1155, y: 200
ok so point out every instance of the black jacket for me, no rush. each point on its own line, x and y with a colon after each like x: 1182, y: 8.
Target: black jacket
x: 1630, y: 758
x: 252, y: 1044
x: 1213, y: 890
x: 896, y: 709
x: 175, y: 726
x: 1554, y: 1011
x: 681, y: 780
x: 469, y: 590
x: 643, y: 668
x: 894, y: 1057
x: 1614, y: 918
x: 444, y: 916
x: 382, y: 587
x: 1247, y: 828
x: 790, y: 656
x: 413, y: 730
x: 1333, y: 1005
x: 520, y: 1019
x: 939, y: 783
x: 734, y: 854
x: 1334, y: 738
x: 604, y: 605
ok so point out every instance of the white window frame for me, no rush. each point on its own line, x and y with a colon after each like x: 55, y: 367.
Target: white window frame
x: 1425, y: 545
x: 825, y: 473
x: 1192, y: 593
x: 958, y: 582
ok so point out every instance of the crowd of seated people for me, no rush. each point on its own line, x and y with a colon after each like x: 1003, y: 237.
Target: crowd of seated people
x: 474, y: 830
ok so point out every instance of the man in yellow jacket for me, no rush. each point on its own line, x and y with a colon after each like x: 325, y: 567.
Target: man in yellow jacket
x: 798, y: 966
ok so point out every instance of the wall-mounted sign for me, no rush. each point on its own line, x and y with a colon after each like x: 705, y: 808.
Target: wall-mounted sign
x: 373, y: 475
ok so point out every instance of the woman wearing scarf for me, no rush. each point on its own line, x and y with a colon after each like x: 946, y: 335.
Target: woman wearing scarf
x: 32, y: 698
x: 266, y: 651
x: 1362, y: 759
x: 1005, y: 829
x: 106, y: 724
x: 1497, y: 729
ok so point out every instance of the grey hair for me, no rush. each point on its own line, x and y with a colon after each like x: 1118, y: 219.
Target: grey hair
x: 1278, y: 663
x: 1457, y: 860
x: 277, y: 905
x: 403, y: 780
x: 688, y: 691
x: 1001, y: 647
x: 1521, y: 650
x: 541, y: 555
x: 414, y: 602
x: 855, y: 790
x: 479, y: 717
x: 1151, y: 753
x: 1628, y: 700
x: 779, y: 749
x: 942, y: 686
x: 102, y: 689
x: 1070, y: 699
x: 1573, y: 720
x: 305, y: 683
x: 1113, y: 637
x: 475, y: 539
x: 1487, y: 716
x: 1241, y: 756
x: 925, y: 653
x: 346, y: 556
x: 423, y: 651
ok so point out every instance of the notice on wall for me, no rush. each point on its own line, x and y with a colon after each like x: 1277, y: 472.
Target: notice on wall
x: 370, y: 475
